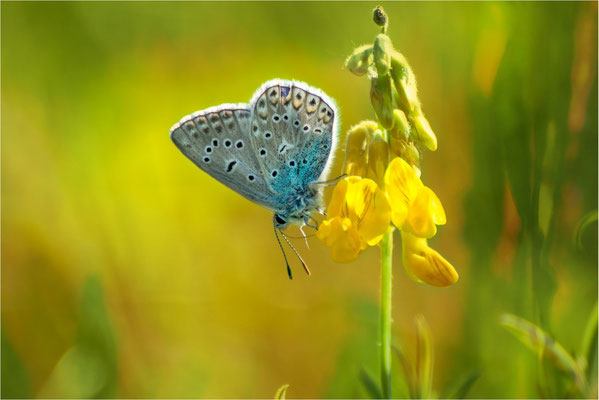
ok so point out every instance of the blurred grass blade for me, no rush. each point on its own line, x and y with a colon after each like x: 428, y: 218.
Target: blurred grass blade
x: 544, y: 346
x: 462, y: 386
x: 582, y: 226
x: 588, y: 351
x: 370, y: 384
x: 408, y: 371
x: 15, y: 382
x: 88, y: 368
x: 281, y: 392
x: 424, y: 359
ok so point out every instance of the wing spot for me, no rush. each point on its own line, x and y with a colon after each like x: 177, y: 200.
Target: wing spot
x: 218, y: 128
x: 228, y: 143
x: 231, y: 166
x: 292, y: 163
x: 313, y: 102
x: 206, y: 130
x: 274, y: 173
x: 267, y: 134
x: 208, y: 149
x: 329, y: 114
x: 206, y: 160
x: 286, y: 117
x: 296, y: 123
x: 306, y: 128
x: 263, y: 152
x: 304, y: 161
x: 231, y: 125
x: 215, y: 142
x: 251, y: 177
x: 276, y: 118
x: 255, y: 128
x: 318, y: 131
x: 213, y: 118
x: 239, y: 144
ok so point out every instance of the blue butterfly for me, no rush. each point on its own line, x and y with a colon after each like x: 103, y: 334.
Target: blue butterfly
x: 273, y: 151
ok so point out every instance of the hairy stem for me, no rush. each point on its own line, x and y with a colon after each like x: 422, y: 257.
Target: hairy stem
x: 385, y: 316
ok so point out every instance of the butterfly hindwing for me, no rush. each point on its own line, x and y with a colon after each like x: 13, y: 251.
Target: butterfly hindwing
x: 217, y: 140
x: 292, y: 132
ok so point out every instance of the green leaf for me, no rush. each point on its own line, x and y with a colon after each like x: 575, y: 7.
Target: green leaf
x: 281, y: 392
x: 15, y: 381
x: 463, y: 385
x: 544, y: 346
x: 370, y: 384
x: 424, y: 359
x: 582, y: 226
x: 588, y: 351
x: 408, y: 371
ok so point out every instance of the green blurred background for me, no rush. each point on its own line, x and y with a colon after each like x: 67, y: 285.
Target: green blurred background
x: 128, y: 272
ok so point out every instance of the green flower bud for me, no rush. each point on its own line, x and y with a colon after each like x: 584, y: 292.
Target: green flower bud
x: 411, y: 154
x: 381, y: 96
x: 424, y: 133
x: 401, y: 126
x: 360, y: 60
x: 404, y: 82
x: 382, y: 53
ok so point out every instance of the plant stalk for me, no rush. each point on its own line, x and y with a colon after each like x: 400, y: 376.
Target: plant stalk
x: 385, y: 316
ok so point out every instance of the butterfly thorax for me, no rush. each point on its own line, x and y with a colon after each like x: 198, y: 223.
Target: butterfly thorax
x: 299, y: 208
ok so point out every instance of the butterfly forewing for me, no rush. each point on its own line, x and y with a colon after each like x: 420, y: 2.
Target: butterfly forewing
x: 217, y: 140
x: 292, y: 132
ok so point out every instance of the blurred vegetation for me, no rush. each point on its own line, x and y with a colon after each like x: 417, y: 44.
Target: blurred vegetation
x: 127, y: 272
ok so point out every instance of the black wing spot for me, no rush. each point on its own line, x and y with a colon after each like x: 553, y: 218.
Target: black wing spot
x: 206, y: 160
x: 215, y: 142
x: 274, y: 173
x: 318, y: 130
x: 206, y: 130
x: 267, y: 134
x: 262, y: 103
x: 208, y: 149
x: 213, y: 118
x: 285, y: 117
x: 218, y: 128
x: 298, y: 96
x: 292, y: 163
x: 228, y: 143
x: 323, y: 110
x: 231, y: 166
x: 263, y: 152
x: 306, y: 128
x: 251, y: 177
x: 329, y: 114
x: 313, y: 102
x: 304, y: 161
x: 239, y: 144
x: 255, y: 128
x: 273, y: 93
x: 296, y: 123
x: 276, y: 118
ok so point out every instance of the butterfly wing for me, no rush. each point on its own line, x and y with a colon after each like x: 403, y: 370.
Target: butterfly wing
x: 293, y: 131
x: 217, y: 140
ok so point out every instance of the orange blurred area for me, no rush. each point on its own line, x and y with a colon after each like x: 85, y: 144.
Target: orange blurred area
x: 127, y: 272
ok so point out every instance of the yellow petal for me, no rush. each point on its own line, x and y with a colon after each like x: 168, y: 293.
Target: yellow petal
x: 378, y: 158
x: 425, y: 214
x: 337, y: 200
x: 425, y: 264
x: 402, y: 185
x: 346, y: 247
x: 329, y: 230
x: 375, y: 220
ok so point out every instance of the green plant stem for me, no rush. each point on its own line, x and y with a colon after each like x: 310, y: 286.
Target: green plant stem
x: 385, y: 316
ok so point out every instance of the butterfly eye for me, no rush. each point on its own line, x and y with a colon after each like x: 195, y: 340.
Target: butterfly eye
x: 279, y: 220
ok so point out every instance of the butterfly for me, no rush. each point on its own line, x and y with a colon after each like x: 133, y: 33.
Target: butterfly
x: 274, y: 151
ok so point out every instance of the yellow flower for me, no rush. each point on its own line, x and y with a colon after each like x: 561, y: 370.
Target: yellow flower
x: 424, y: 264
x: 414, y: 207
x: 358, y: 216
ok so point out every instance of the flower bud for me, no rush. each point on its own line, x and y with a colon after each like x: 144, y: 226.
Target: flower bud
x: 401, y: 126
x: 410, y: 153
x: 404, y: 82
x: 381, y: 96
x: 360, y: 60
x: 378, y: 159
x: 355, y: 150
x: 381, y: 52
x: 424, y: 133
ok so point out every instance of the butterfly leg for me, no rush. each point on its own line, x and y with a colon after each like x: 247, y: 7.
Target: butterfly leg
x: 301, y: 228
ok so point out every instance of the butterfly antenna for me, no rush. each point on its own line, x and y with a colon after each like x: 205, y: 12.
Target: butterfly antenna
x: 283, y: 250
x: 296, y: 253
